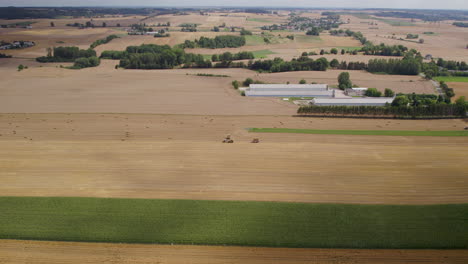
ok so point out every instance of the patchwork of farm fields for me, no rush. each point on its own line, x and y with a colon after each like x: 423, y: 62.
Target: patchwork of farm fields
x: 234, y: 223
x: 132, y: 160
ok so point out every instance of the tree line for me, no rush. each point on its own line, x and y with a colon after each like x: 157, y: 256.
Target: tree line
x: 217, y: 42
x: 430, y: 111
x: 66, y: 54
x: 151, y: 56
x: 103, y: 41
x: 228, y: 56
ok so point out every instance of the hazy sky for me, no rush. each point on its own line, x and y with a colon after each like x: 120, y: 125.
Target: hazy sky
x: 421, y: 4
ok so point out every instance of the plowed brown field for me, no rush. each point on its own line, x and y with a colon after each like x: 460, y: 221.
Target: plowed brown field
x: 16, y: 252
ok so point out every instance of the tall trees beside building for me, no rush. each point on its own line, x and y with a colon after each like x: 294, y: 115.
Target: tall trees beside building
x: 344, y: 81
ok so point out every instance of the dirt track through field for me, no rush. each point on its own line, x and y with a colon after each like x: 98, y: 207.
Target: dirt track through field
x: 12, y: 252
x: 182, y: 157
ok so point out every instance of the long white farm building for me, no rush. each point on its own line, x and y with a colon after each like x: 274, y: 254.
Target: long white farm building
x: 366, y: 101
x: 290, y: 90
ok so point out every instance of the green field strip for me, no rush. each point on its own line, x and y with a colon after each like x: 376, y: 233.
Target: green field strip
x: 451, y: 78
x: 271, y: 224
x: 452, y: 133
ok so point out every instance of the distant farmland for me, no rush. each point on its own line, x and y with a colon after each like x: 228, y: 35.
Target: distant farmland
x: 234, y: 223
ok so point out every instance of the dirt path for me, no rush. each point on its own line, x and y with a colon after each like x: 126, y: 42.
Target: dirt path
x: 12, y: 252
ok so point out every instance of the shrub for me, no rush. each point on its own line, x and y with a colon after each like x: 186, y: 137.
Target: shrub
x: 373, y: 92
x: 389, y: 93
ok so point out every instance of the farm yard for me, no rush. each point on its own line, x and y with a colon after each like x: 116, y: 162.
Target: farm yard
x: 113, y: 154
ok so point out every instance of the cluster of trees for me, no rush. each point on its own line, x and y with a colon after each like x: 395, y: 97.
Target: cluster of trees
x: 245, y: 32
x: 228, y: 56
x: 409, y: 65
x: 385, y: 50
x: 348, y: 65
x: 88, y: 24
x: 452, y: 65
x: 151, y: 56
x: 412, y: 36
x: 162, y: 35
x: 188, y: 27
x: 103, y: 41
x: 314, y: 31
x: 141, y: 28
x: 344, y: 81
x: 215, y: 43
x: 460, y: 24
x: 419, y: 100
x: 357, y: 35
x: 449, y: 93
x: 300, y: 64
x: 430, y: 111
x: 81, y: 63
x: 113, y: 54
x: 373, y: 92
x: 168, y: 24
x: 2, y: 55
x: 66, y: 54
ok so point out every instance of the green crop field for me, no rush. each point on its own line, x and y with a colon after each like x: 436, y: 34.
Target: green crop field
x: 262, y: 54
x: 348, y: 48
x: 396, y: 23
x: 252, y: 40
x: 273, y: 224
x: 451, y: 78
x: 453, y: 133
x: 307, y: 39
x: 261, y: 20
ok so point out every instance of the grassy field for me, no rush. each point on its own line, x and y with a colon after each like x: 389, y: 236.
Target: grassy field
x: 363, y: 132
x: 233, y: 223
x: 252, y: 40
x: 261, y: 54
x: 308, y: 39
x: 261, y: 20
x: 396, y: 23
x: 348, y: 48
x: 451, y: 78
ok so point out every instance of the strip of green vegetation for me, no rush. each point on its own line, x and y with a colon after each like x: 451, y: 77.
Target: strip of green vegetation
x: 348, y: 48
x: 262, y: 54
x: 451, y: 78
x: 271, y: 224
x: 261, y: 20
x: 396, y: 23
x: 307, y: 39
x: 253, y: 40
x: 460, y: 133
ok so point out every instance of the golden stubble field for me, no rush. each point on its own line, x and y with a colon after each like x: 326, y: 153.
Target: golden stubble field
x: 181, y: 156
x: 107, y: 90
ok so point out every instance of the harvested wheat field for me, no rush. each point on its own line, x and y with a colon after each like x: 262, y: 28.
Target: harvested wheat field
x: 13, y: 251
x: 178, y: 91
x: 170, y: 156
x: 460, y: 88
x: 448, y: 42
